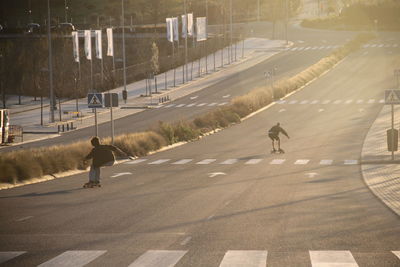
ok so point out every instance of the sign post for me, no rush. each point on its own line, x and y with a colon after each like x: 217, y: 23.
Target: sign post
x: 95, y: 100
x: 397, y: 76
x: 110, y: 101
x: 392, y: 97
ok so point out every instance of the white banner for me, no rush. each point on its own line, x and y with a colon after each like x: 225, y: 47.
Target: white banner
x: 88, y: 45
x: 190, y: 24
x: 99, y: 44
x: 175, y: 22
x: 75, y: 45
x: 170, y: 30
x: 184, y: 26
x: 110, y: 41
x: 201, y: 29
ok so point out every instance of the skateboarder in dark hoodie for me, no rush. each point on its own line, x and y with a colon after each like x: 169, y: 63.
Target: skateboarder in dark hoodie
x: 273, y: 133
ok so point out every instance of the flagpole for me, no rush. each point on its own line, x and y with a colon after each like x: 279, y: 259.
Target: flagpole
x: 186, y: 39
x: 123, y: 45
x: 50, y: 63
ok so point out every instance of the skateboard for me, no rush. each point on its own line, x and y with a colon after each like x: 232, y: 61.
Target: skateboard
x: 280, y: 151
x: 91, y: 185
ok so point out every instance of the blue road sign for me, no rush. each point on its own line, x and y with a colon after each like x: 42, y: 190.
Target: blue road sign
x: 95, y: 100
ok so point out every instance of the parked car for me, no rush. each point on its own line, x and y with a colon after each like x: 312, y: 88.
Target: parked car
x: 32, y: 28
x: 65, y: 27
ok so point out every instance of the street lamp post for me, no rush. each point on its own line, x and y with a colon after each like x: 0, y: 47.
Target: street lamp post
x: 50, y: 63
x: 66, y: 10
x: 123, y: 49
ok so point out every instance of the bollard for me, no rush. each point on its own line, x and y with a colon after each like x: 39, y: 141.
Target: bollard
x: 63, y: 129
x: 72, y: 125
x: 58, y: 126
x: 67, y: 127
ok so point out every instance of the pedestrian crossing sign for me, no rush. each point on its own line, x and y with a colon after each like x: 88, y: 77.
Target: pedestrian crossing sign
x: 95, y: 100
x: 392, y: 97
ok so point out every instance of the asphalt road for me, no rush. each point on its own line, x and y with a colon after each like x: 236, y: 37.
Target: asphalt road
x: 224, y: 199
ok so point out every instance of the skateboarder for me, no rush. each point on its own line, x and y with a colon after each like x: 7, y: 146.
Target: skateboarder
x: 273, y: 133
x: 102, y: 155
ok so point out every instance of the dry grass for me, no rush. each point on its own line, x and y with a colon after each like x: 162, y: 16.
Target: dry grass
x: 26, y: 164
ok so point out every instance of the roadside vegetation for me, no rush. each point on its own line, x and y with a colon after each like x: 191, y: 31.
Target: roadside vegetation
x: 21, y: 165
x: 381, y: 16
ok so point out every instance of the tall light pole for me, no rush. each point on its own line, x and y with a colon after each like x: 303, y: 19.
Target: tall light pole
x: 230, y: 3
x: 66, y: 10
x: 123, y: 49
x: 185, y: 70
x: 50, y: 63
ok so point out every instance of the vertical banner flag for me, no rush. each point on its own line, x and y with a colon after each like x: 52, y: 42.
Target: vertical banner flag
x: 176, y: 28
x: 88, y: 44
x: 184, y: 26
x: 75, y: 45
x: 190, y: 24
x: 99, y: 45
x: 110, y: 41
x: 170, y: 30
x: 201, y: 29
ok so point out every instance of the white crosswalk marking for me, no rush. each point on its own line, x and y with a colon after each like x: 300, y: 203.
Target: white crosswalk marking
x: 350, y: 162
x: 326, y: 162
x: 159, y: 258
x: 160, y: 161
x: 397, y: 253
x: 302, y: 161
x: 381, y: 45
x: 371, y: 101
x: 281, y: 101
x: 282, y: 110
x: 202, y: 104
x: 321, y: 47
x: 366, y: 46
x: 332, y: 258
x: 314, y: 102
x: 6, y: 256
x: 75, y: 258
x: 360, y: 101
x: 294, y: 48
x: 253, y: 161
x: 337, y: 102
x: 303, y: 102
x: 136, y: 161
x: 314, y: 48
x: 159, y: 106
x: 277, y: 161
x: 223, y: 104
x: 374, y: 45
x: 229, y: 161
x: 293, y: 102
x: 241, y: 258
x: 191, y: 105
x: 349, y: 101
x: 382, y: 101
x: 170, y: 105
x: 300, y: 48
x: 180, y: 105
x: 206, y: 161
x: 183, y: 161
x: 212, y: 104
x: 326, y: 102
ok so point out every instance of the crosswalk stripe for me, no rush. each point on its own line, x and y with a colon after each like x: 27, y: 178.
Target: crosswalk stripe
x: 337, y: 102
x: 326, y: 102
x: 326, y: 162
x: 281, y: 101
x: 277, y: 161
x: 373, y: 45
x: 332, y: 258
x: 136, y: 161
x: 300, y: 48
x: 169, y: 106
x: 371, y: 101
x: 382, y: 101
x: 180, y: 105
x: 314, y: 102
x: 248, y: 258
x: 202, y: 104
x: 223, y: 103
x: 293, y: 102
x: 229, y: 161
x: 381, y: 45
x: 314, y: 48
x: 360, y: 101
x: 307, y: 48
x: 321, y: 47
x: 397, y: 253
x: 75, y: 258
x: 182, y: 161
x: 302, y: 161
x: 212, y: 104
x: 206, y: 161
x: 160, y: 161
x: 350, y: 162
x: 159, y: 258
x: 366, y: 46
x: 303, y: 102
x: 191, y: 105
x: 6, y: 256
x: 253, y: 161
x: 349, y: 101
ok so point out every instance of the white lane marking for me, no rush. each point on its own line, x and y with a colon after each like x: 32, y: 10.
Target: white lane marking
x: 314, y: 48
x: 191, y: 105
x: 300, y: 48
x: 281, y: 101
x: 210, y: 217
x: 74, y: 258
x: 294, y: 48
x: 366, y: 45
x: 382, y: 101
x: 206, y: 161
x: 226, y: 96
x: 180, y: 105
x: 229, y: 161
x: 374, y: 45
x: 303, y: 102
x: 349, y: 101
x: 332, y: 258
x: 8, y: 255
x: 360, y: 101
x: 277, y: 161
x: 182, y: 161
x: 388, y: 45
x: 223, y: 103
x: 248, y: 258
x: 212, y: 104
x: 397, y: 253
x: 350, y: 162
x: 307, y: 48
x: 137, y: 161
x: 24, y: 219
x: 302, y: 161
x: 160, y: 161
x: 194, y: 97
x: 186, y: 241
x: 321, y: 110
x: 202, y: 104
x: 311, y: 174
x: 160, y: 106
x: 337, y: 102
x: 300, y: 41
x: 159, y: 258
x: 381, y: 45
x: 371, y: 101
x: 321, y: 47
x: 293, y: 102
x: 213, y: 174
x: 326, y: 102
x: 253, y: 161
x: 170, y: 105
x: 282, y: 110
x: 121, y: 174
x: 326, y: 162
x: 314, y: 102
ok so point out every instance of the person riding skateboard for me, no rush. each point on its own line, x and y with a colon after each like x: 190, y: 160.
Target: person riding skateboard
x: 273, y: 133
